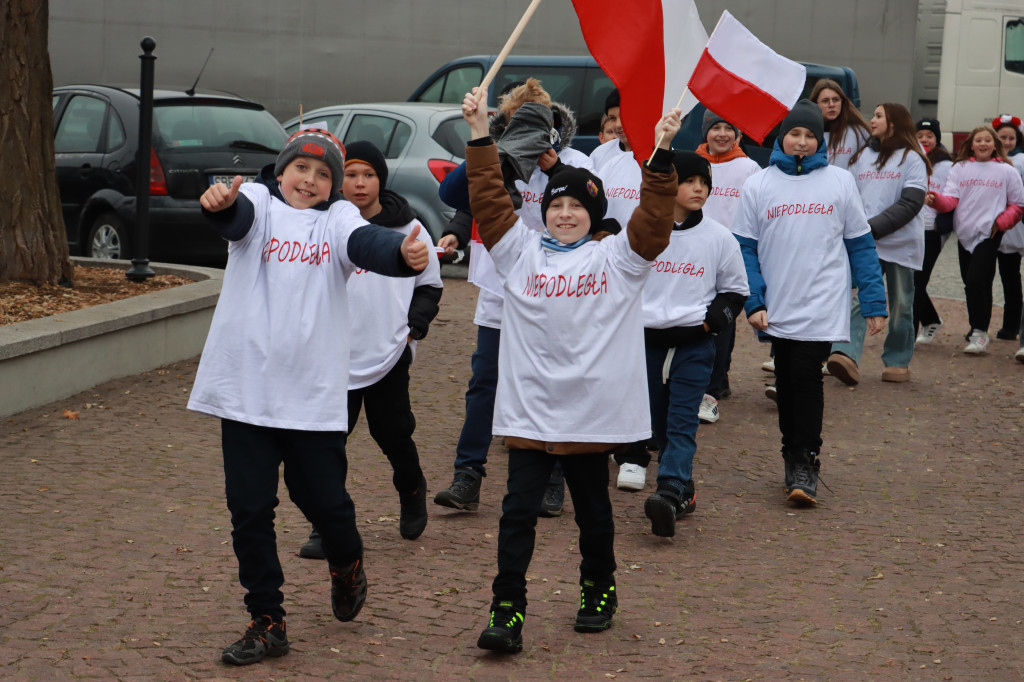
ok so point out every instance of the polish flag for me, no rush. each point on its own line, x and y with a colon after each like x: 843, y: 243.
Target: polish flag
x: 742, y: 80
x: 648, y: 48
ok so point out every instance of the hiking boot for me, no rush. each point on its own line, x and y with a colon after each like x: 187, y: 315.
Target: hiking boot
x: 844, y: 368
x: 314, y: 547
x: 348, y: 590
x: 708, y: 410
x: 263, y: 638
x: 464, y: 492
x: 413, y: 517
x: 504, y: 631
x: 665, y: 507
x: 554, y: 495
x: 927, y: 333
x: 804, y: 489
x: 978, y: 343
x: 598, y: 604
x: 632, y: 477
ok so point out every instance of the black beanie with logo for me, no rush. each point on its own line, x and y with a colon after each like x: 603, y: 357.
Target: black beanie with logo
x: 580, y: 184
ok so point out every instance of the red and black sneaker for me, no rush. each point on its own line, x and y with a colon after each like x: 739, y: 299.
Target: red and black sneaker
x: 348, y: 590
x: 263, y: 638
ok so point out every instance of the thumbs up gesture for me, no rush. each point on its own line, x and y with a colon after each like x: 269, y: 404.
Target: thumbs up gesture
x: 415, y: 252
x: 220, y: 196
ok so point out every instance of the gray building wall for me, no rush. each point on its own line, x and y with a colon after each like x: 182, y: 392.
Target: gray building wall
x: 319, y: 52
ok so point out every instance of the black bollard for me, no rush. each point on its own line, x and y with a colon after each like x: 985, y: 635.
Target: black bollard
x: 140, y: 270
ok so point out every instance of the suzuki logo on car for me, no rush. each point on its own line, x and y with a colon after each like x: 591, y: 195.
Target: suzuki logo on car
x: 237, y: 160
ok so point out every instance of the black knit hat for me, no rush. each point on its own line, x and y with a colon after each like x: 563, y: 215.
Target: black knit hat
x: 367, y: 152
x: 710, y: 119
x: 688, y: 164
x: 932, y: 125
x: 612, y: 100
x: 316, y: 144
x: 580, y: 184
x: 806, y: 114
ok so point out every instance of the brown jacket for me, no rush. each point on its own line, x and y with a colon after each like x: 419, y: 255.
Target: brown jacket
x: 649, y: 231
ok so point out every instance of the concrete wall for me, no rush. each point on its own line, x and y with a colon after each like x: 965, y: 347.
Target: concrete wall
x: 319, y: 52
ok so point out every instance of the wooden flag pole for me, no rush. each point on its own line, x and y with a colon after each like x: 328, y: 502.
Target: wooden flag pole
x: 662, y: 136
x: 509, y: 44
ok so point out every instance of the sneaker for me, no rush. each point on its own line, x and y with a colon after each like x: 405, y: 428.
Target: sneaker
x: 413, y: 518
x: 771, y: 393
x: 348, y: 590
x: 1019, y: 355
x: 768, y: 366
x: 463, y: 493
x: 314, y: 547
x: 554, y: 496
x: 708, y: 411
x: 504, y: 631
x: 263, y: 638
x: 896, y: 375
x: 664, y: 508
x: 598, y: 604
x: 631, y: 477
x: 927, y: 333
x: 978, y: 344
x: 1006, y: 335
x: 804, y: 488
x: 843, y: 367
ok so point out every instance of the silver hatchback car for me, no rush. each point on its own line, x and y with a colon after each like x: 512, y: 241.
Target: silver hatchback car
x: 421, y: 143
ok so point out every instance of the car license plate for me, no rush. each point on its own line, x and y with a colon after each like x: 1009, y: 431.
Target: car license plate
x: 228, y: 179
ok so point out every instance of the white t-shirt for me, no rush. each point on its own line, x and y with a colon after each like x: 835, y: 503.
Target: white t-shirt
x: 620, y: 174
x: 880, y: 189
x: 853, y: 139
x: 379, y: 309
x: 700, y: 262
x: 277, y: 353
x: 936, y: 181
x: 727, y: 180
x: 481, y: 268
x: 571, y: 366
x: 800, y: 222
x: 984, y: 189
x: 1013, y: 240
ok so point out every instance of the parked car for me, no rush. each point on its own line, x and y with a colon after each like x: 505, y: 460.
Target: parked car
x: 197, y: 140
x: 421, y: 143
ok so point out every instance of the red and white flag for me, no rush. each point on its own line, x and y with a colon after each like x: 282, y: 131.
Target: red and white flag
x: 742, y: 80
x: 649, y: 49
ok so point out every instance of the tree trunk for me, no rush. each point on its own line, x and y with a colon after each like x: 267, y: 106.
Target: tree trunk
x: 33, y: 243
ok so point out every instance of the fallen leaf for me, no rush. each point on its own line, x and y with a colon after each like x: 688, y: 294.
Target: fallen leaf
x: 70, y: 414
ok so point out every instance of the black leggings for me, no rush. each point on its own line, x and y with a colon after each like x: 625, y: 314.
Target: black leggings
x: 978, y: 270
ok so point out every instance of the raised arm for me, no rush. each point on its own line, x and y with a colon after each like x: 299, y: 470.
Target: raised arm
x: 650, y: 226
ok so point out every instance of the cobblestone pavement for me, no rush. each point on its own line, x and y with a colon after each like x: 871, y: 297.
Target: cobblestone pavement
x: 116, y: 562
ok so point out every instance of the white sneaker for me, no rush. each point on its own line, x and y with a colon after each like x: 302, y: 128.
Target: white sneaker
x: 927, y: 334
x: 978, y: 344
x: 1019, y: 355
x: 768, y: 366
x: 632, y: 477
x: 708, y: 411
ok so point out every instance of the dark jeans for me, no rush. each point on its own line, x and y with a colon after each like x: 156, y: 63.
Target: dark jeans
x: 725, y: 341
x: 475, y: 439
x: 1013, y: 301
x: 924, y: 311
x: 391, y: 422
x: 978, y: 270
x: 528, y: 473
x: 801, y: 396
x: 315, y: 469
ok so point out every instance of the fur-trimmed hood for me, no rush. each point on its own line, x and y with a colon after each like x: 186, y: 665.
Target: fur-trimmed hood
x: 565, y: 124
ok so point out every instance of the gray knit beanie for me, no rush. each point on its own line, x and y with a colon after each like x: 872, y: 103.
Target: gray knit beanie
x: 710, y: 119
x: 316, y: 144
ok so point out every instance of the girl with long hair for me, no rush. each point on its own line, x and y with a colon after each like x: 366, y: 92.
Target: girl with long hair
x: 846, y: 131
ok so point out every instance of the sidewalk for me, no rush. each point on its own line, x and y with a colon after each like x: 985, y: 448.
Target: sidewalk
x: 116, y: 560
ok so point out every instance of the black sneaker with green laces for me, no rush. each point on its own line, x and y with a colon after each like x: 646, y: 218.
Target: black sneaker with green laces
x: 348, y: 590
x: 263, y: 638
x: 504, y: 632
x: 598, y: 604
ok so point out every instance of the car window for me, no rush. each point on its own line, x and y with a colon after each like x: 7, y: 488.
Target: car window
x: 331, y: 122
x: 451, y: 86
x: 56, y: 98
x: 115, y: 132
x: 564, y: 84
x: 180, y: 126
x: 380, y: 131
x: 453, y: 135
x: 596, y: 88
x: 81, y: 126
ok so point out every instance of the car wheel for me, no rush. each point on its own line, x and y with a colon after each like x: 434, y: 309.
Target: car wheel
x: 108, y: 238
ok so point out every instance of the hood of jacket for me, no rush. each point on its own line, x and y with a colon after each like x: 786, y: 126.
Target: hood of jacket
x: 395, y: 211
x: 564, y: 123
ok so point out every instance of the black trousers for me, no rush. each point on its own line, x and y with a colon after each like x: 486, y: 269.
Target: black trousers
x: 1013, y: 300
x: 924, y: 311
x: 315, y: 468
x: 978, y: 270
x: 391, y: 422
x: 800, y: 393
x: 586, y: 476
x: 725, y: 341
